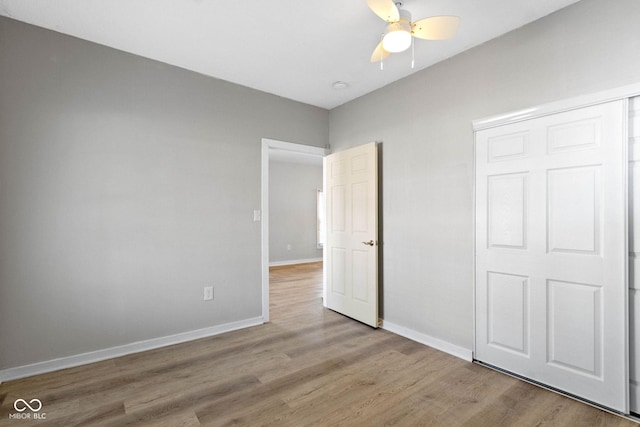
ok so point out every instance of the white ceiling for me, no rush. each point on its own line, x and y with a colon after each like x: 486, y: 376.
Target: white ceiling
x: 292, y: 48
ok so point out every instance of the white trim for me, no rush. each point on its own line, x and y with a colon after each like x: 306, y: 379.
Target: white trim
x: 627, y: 291
x: 558, y: 107
x: 123, y: 350
x: 438, y: 344
x: 297, y: 148
x: 267, y: 146
x: 634, y: 390
x: 264, y: 228
x: 294, y: 262
x: 474, y: 249
x: 325, y: 258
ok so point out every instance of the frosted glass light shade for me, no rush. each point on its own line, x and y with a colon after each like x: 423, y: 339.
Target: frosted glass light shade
x: 397, y: 40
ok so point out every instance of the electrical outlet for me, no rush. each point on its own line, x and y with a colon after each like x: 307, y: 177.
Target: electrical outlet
x: 289, y: 247
x: 208, y: 293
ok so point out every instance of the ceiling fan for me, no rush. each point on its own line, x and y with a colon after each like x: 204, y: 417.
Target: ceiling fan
x: 399, y: 31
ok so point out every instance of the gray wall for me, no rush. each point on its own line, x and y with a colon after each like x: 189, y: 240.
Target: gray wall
x: 428, y: 146
x: 126, y: 185
x: 292, y: 210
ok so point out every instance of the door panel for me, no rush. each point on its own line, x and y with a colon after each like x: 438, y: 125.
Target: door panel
x: 338, y: 270
x: 360, y: 276
x: 337, y: 219
x: 508, y: 312
x: 575, y: 327
x: 574, y: 210
x: 550, y: 251
x: 574, y: 135
x: 507, y: 210
x: 352, y: 264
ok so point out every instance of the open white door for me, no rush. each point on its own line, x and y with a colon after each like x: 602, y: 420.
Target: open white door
x: 551, y: 250
x: 351, y: 251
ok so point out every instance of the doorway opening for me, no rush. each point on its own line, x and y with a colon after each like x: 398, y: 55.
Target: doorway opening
x: 270, y: 150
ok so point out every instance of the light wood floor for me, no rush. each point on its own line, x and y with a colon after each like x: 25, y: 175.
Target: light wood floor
x: 308, y: 367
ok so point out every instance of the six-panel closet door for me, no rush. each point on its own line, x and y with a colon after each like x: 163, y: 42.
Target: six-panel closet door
x: 551, y: 250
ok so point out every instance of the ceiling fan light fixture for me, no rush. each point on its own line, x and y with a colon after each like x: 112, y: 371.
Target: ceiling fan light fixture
x: 396, y: 40
x: 398, y: 35
x: 399, y: 31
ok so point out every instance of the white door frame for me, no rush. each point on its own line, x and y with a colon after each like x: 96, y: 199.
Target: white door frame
x: 268, y: 146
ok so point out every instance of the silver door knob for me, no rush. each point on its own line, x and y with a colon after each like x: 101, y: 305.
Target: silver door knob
x: 370, y: 243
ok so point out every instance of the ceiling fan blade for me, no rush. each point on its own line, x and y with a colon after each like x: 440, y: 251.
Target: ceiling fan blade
x: 436, y: 27
x: 379, y: 53
x: 385, y: 9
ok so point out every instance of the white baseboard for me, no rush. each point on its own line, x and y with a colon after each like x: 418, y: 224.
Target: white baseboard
x: 123, y: 350
x: 438, y: 344
x: 294, y: 261
x: 635, y: 397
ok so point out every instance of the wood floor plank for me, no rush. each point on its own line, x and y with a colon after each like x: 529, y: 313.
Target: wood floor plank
x: 308, y: 367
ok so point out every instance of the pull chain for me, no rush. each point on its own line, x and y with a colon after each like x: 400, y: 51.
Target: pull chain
x: 381, y: 54
x: 413, y: 53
